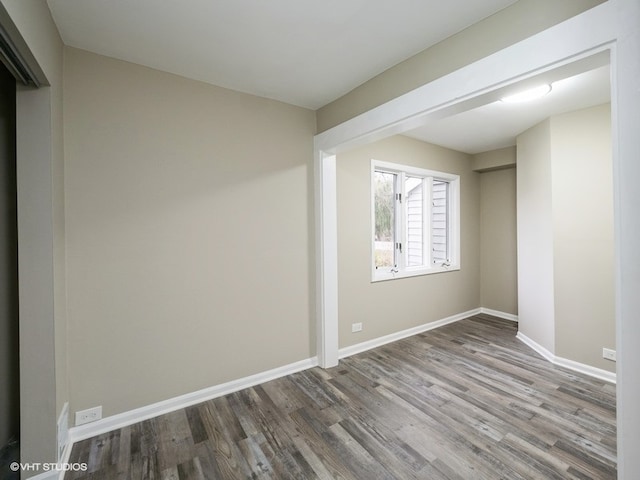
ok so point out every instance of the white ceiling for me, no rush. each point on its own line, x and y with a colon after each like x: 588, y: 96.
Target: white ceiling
x: 303, y: 52
x: 309, y: 53
x: 495, y: 124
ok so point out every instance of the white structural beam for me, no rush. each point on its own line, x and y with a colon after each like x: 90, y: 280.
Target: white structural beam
x: 578, y: 37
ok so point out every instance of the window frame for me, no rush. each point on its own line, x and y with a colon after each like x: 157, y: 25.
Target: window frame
x: 400, y: 269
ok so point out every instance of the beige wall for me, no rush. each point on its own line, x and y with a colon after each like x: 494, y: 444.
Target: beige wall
x: 583, y: 235
x: 565, y: 236
x: 495, y: 159
x: 535, y: 236
x: 41, y: 231
x: 188, y: 233
x: 392, y: 306
x: 504, y: 28
x: 498, y: 240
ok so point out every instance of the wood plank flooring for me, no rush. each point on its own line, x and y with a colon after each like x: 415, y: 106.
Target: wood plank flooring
x: 465, y: 401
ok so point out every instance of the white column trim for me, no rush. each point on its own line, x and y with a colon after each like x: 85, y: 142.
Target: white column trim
x: 326, y: 259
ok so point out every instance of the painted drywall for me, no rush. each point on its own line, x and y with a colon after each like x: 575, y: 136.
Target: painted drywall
x: 565, y: 236
x: 535, y: 236
x: 40, y: 181
x: 498, y: 240
x: 9, y: 368
x: 504, y: 28
x: 582, y: 184
x: 391, y: 306
x: 495, y: 159
x: 189, y: 233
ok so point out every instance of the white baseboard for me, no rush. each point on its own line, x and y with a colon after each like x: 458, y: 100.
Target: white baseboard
x: 377, y: 342
x: 536, y: 346
x: 130, y: 417
x: 586, y: 369
x: 566, y: 363
x: 499, y: 314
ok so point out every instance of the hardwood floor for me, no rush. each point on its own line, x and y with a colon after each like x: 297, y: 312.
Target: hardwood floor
x: 465, y: 401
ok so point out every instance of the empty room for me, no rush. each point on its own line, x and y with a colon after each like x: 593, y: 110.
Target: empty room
x: 321, y: 240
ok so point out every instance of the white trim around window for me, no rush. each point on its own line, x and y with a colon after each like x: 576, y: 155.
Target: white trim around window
x: 416, y: 230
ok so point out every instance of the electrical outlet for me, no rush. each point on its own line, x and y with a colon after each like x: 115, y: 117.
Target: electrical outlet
x: 609, y: 354
x: 356, y: 327
x: 88, y: 415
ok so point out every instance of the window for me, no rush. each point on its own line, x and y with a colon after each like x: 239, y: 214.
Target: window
x: 415, y: 221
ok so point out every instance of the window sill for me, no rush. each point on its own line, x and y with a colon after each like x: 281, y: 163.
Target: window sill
x: 383, y: 277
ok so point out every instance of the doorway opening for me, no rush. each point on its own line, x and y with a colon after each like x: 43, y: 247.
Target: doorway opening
x: 9, y: 320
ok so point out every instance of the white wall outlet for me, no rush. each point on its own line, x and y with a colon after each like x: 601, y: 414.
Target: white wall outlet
x: 356, y: 327
x: 88, y: 415
x: 609, y: 354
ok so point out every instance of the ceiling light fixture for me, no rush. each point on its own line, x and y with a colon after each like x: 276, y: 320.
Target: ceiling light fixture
x: 528, y: 95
